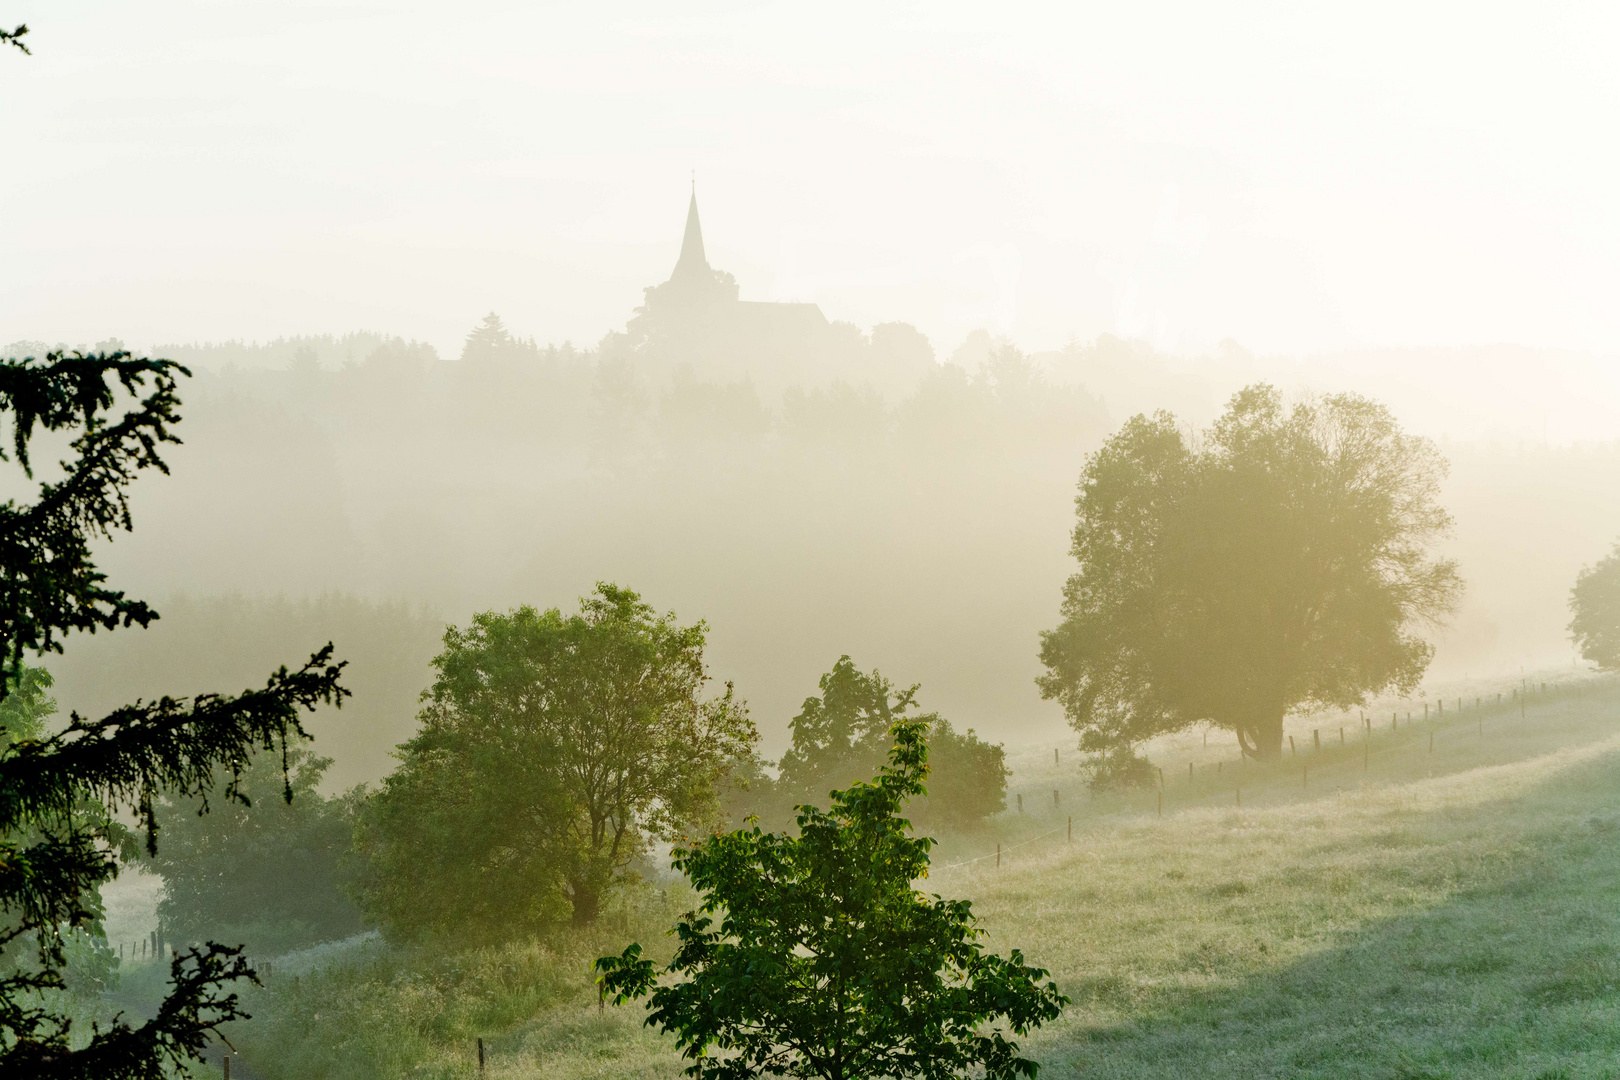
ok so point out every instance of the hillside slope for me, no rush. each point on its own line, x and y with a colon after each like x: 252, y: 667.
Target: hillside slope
x: 1398, y: 912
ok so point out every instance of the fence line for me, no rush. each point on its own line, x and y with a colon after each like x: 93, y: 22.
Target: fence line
x: 1503, y: 706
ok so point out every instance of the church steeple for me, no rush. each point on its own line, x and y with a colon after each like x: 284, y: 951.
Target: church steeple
x: 692, y: 260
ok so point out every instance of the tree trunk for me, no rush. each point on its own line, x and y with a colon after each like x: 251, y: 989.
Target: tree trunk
x: 1262, y: 739
x: 587, y: 903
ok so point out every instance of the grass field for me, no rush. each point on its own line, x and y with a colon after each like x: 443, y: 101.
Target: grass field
x: 1373, y: 909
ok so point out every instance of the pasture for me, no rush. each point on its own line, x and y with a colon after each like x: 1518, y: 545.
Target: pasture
x: 1372, y: 909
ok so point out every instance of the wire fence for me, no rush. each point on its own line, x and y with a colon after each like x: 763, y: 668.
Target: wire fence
x: 1378, y: 744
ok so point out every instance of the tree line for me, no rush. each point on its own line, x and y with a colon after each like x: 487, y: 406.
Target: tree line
x: 554, y: 753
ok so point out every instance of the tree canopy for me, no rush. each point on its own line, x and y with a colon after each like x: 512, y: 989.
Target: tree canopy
x: 843, y: 734
x: 815, y: 956
x: 62, y: 794
x: 264, y: 871
x: 1594, y: 603
x: 552, y: 749
x: 1281, y: 559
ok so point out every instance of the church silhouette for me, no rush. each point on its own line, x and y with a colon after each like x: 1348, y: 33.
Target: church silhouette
x: 697, y: 318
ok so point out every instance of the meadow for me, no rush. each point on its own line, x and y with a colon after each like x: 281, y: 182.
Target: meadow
x: 1375, y: 908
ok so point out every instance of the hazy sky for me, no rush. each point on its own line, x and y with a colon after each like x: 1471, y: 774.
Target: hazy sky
x: 1297, y: 177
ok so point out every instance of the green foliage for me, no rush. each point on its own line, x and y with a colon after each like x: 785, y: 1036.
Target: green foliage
x: 1595, y: 604
x: 1280, y: 560
x: 552, y: 749
x: 842, y: 735
x: 25, y: 706
x: 61, y: 794
x: 262, y: 871
x: 88, y: 964
x: 813, y: 955
x: 967, y: 778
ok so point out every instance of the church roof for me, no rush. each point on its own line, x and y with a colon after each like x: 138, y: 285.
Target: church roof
x: 692, y: 259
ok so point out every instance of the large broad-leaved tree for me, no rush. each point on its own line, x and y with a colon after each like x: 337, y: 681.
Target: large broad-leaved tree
x: 1594, y: 605
x: 553, y: 748
x: 1283, y: 558
x: 816, y: 955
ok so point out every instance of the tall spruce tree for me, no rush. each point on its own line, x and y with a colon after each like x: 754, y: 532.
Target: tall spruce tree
x: 54, y: 856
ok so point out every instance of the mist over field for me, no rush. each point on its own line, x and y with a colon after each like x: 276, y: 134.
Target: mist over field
x: 1173, y: 450
x: 911, y: 509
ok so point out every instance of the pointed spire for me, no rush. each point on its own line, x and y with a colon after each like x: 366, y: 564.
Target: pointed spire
x: 692, y: 259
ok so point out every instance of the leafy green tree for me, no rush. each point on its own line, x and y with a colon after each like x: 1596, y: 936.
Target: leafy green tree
x: 969, y: 777
x: 814, y: 956
x: 262, y: 871
x: 1281, y: 560
x: 553, y: 747
x: 843, y: 735
x: 61, y: 795
x: 1595, y: 604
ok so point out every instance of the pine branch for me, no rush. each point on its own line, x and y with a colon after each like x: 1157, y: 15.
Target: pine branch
x: 49, y: 584
x: 189, y: 1016
x: 126, y: 758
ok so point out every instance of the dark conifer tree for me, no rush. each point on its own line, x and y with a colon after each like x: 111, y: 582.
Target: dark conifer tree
x: 54, y: 855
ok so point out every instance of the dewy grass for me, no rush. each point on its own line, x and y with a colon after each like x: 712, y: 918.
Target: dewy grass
x: 1390, y: 923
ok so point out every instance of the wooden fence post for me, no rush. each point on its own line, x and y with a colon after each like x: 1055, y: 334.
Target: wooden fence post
x: 1316, y: 734
x: 481, y: 1043
x: 998, y: 856
x: 1292, y: 749
x: 1071, y: 828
